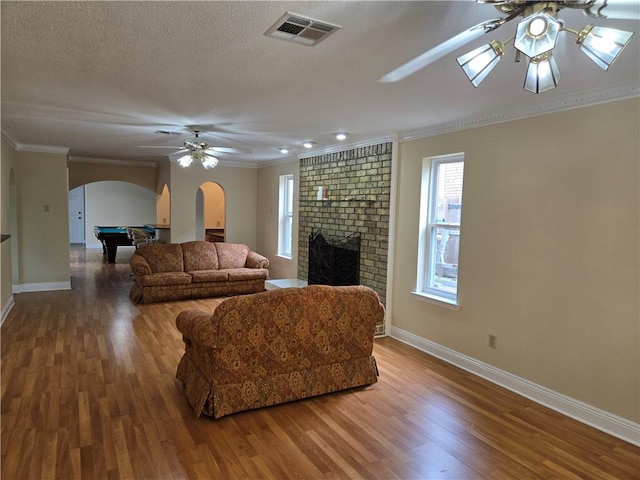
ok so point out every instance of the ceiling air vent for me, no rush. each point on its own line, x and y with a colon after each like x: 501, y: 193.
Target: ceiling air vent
x: 301, y: 29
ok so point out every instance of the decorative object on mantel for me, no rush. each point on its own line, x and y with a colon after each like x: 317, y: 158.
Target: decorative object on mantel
x: 536, y: 36
x: 323, y: 193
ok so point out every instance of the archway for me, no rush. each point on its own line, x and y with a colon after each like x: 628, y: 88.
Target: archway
x: 210, y: 212
x: 115, y: 203
x: 163, y: 206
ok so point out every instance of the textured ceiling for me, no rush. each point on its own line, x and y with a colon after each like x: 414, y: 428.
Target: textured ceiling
x: 100, y: 78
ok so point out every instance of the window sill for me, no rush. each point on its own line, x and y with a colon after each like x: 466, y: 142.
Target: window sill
x: 436, y: 300
x: 283, y: 257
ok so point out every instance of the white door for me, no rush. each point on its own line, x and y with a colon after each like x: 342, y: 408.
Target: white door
x: 76, y: 215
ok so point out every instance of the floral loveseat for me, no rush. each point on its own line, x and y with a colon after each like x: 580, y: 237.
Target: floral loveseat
x: 277, y: 346
x: 175, y: 271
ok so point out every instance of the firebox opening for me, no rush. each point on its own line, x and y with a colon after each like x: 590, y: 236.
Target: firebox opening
x: 334, y: 261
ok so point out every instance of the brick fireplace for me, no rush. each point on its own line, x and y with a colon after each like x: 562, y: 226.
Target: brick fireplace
x: 354, y: 199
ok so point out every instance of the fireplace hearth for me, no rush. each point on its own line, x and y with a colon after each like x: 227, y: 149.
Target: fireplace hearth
x: 334, y: 261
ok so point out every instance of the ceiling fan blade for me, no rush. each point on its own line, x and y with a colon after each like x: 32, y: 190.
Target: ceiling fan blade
x: 159, y: 146
x: 227, y: 150
x: 615, y: 9
x: 444, y: 48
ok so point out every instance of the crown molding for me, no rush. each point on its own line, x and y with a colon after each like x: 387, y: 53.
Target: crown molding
x: 279, y: 161
x: 236, y: 164
x: 341, y: 147
x: 568, y: 102
x: 108, y: 161
x: 7, y: 136
x: 25, y: 147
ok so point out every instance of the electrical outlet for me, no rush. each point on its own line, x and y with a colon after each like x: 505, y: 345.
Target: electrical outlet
x: 493, y: 341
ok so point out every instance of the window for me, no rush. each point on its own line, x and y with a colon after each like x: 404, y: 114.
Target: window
x: 285, y: 216
x: 440, y: 215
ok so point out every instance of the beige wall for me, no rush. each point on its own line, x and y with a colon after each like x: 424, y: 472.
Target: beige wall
x: 267, y: 223
x: 549, y: 255
x: 42, y: 219
x: 117, y: 204
x: 214, y: 205
x: 81, y: 173
x: 163, y: 206
x: 240, y: 187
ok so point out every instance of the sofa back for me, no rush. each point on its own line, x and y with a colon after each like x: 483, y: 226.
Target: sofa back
x: 162, y: 257
x: 289, y: 329
x: 199, y: 255
x: 232, y: 255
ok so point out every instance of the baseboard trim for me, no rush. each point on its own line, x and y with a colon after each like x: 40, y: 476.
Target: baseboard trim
x: 41, y: 287
x: 602, y: 420
x: 6, y: 308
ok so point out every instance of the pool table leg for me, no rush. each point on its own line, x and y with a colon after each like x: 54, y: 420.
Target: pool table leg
x: 112, y: 248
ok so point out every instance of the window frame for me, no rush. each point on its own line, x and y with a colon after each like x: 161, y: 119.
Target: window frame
x: 285, y: 216
x: 428, y: 228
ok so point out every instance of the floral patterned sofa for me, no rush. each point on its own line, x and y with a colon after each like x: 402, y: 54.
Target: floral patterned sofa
x: 176, y: 271
x: 278, y: 346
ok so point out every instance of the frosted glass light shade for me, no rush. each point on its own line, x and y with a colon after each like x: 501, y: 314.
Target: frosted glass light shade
x: 603, y: 45
x: 209, y: 162
x: 542, y: 74
x: 185, y: 160
x: 537, y: 34
x: 479, y: 62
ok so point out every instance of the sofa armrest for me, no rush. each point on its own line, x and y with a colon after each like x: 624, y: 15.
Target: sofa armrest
x: 255, y: 260
x: 139, y: 265
x: 197, y: 326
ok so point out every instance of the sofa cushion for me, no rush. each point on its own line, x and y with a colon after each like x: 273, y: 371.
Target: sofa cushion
x: 199, y: 255
x: 164, y: 279
x: 236, y: 274
x: 231, y: 255
x: 163, y: 257
x: 199, y: 276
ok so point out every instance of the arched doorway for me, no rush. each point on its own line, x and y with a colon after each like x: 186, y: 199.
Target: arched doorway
x: 112, y: 203
x: 210, y: 212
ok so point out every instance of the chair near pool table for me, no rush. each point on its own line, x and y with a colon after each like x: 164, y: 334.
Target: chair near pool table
x: 140, y: 237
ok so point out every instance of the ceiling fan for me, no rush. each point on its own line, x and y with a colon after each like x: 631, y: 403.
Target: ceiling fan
x: 535, y: 37
x: 196, y: 148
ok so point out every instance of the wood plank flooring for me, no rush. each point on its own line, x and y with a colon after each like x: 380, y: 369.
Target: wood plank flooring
x: 89, y: 392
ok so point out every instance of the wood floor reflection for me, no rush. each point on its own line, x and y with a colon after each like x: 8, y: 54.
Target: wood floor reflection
x: 89, y: 392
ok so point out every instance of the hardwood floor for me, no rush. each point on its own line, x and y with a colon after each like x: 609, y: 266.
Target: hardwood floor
x: 89, y: 391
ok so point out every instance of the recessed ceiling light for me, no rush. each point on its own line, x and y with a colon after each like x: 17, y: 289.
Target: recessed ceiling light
x: 308, y: 144
x: 341, y: 136
x: 283, y: 150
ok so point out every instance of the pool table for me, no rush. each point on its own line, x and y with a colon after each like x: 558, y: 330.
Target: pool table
x: 111, y: 237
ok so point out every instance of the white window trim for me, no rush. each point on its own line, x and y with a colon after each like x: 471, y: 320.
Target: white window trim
x: 422, y: 291
x: 285, y: 190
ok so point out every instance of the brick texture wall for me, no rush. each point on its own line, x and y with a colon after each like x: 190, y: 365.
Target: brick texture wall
x: 357, y: 184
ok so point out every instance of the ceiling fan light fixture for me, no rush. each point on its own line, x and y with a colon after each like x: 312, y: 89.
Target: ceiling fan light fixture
x: 185, y: 160
x: 478, y: 63
x: 537, y: 34
x: 603, y: 45
x: 542, y: 74
x: 209, y: 162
